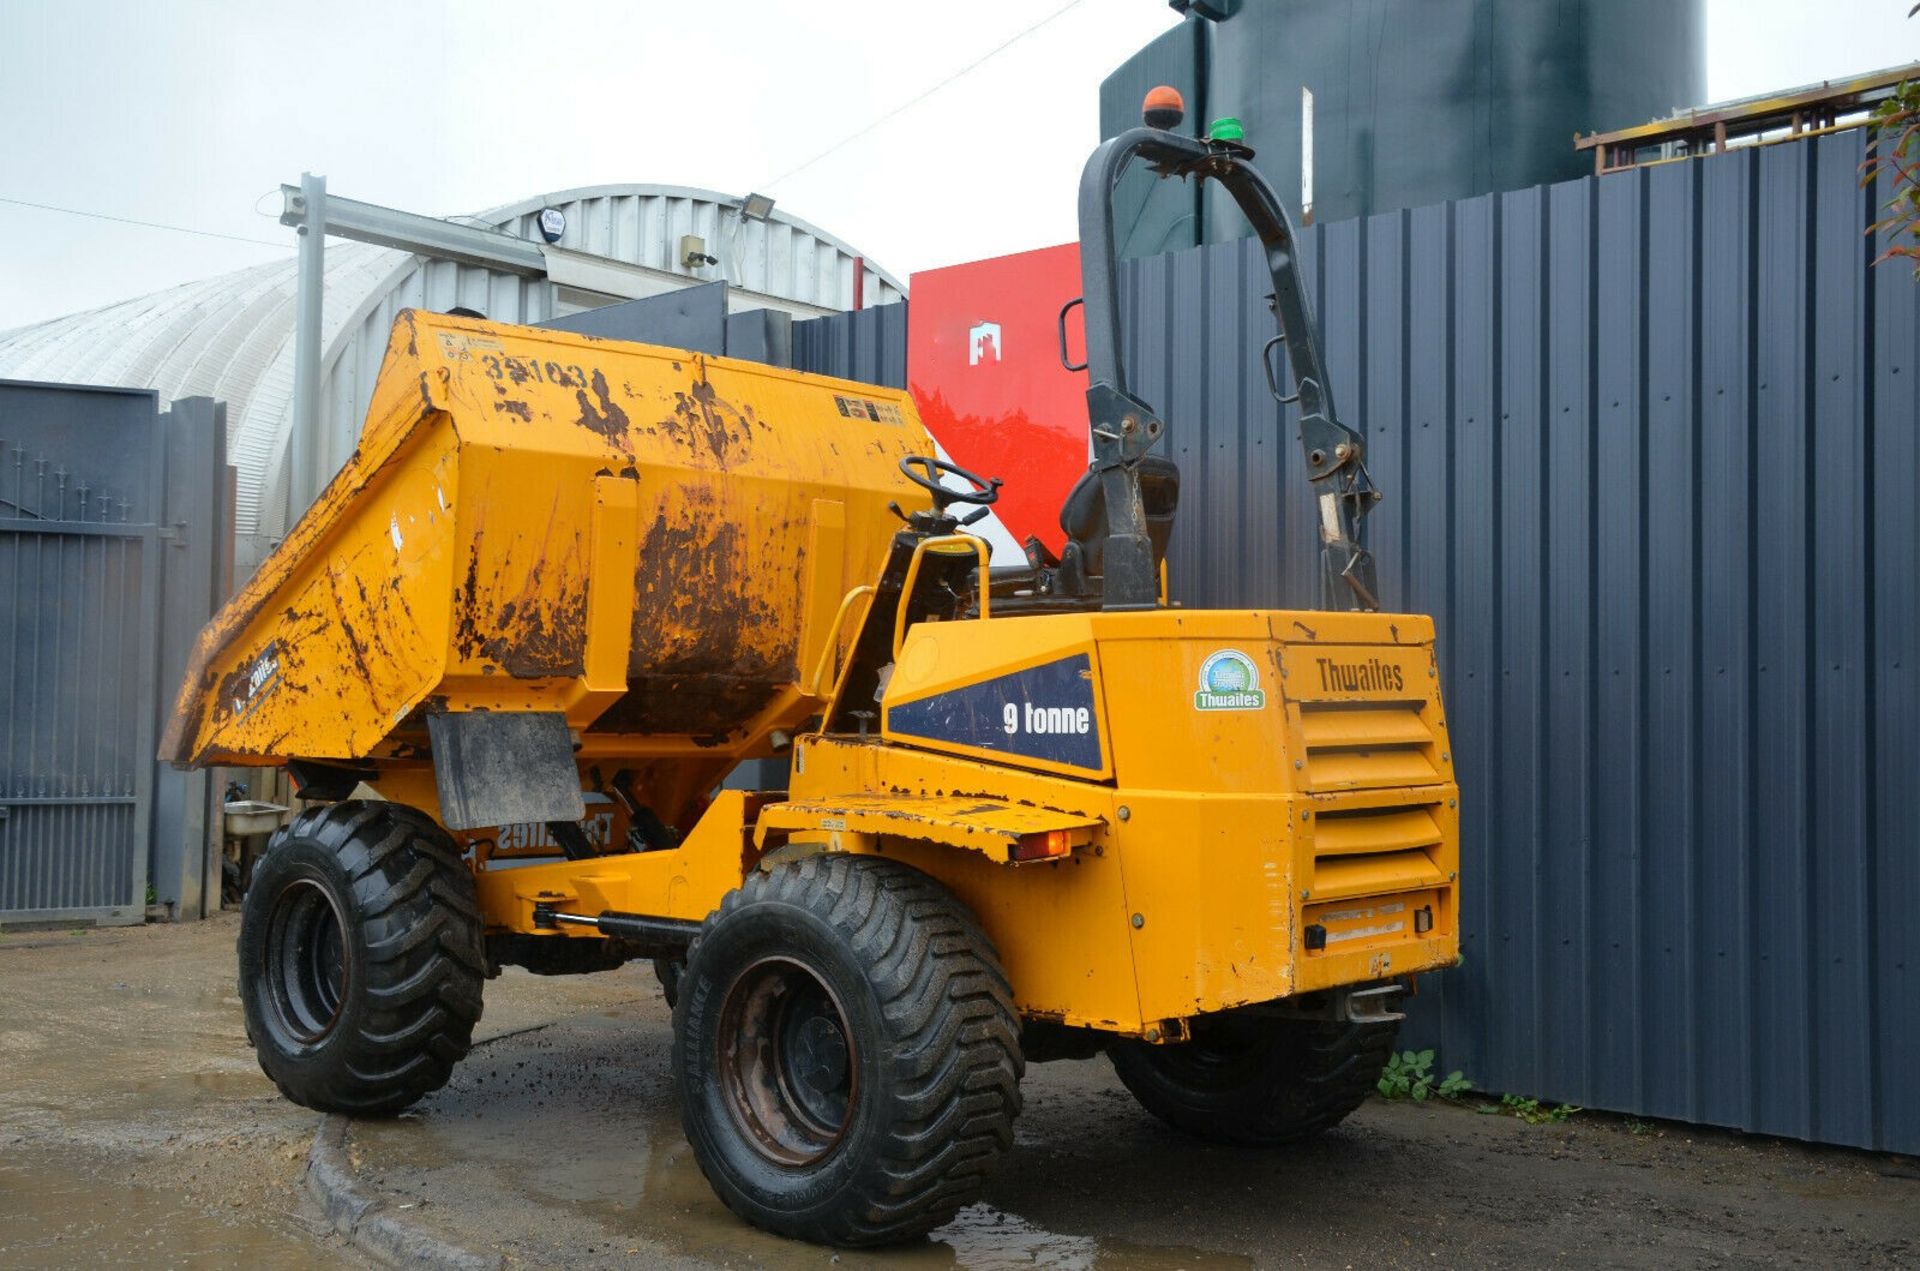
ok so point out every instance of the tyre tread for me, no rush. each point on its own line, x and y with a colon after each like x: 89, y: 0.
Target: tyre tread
x: 412, y: 899
x: 1319, y: 1074
x: 954, y: 1042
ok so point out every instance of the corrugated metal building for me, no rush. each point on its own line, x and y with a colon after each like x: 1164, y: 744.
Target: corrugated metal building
x: 231, y: 337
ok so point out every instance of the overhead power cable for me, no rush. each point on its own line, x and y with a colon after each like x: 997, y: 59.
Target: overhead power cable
x: 925, y: 93
x: 128, y: 220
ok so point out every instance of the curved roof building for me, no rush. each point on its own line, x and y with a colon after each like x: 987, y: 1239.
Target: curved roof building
x: 231, y: 337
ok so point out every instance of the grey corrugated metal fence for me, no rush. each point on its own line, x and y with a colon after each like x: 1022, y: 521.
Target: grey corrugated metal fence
x: 114, y: 543
x: 80, y: 567
x: 1649, y: 448
x: 868, y: 345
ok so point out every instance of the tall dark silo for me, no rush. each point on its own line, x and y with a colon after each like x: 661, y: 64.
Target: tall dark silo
x: 1415, y: 101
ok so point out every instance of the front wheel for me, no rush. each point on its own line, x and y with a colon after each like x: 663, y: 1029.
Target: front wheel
x: 360, y: 958
x: 846, y: 1051
x: 1256, y: 1081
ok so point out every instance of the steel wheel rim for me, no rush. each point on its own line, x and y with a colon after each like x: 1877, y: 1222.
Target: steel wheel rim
x: 306, y: 960
x: 789, y: 1069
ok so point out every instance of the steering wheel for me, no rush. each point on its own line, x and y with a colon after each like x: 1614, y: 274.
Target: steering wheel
x: 925, y: 471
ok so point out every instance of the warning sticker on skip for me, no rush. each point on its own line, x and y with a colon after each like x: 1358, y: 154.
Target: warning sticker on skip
x: 867, y: 408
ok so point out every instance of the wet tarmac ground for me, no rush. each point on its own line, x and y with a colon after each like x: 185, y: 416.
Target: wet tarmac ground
x: 562, y: 1145
x: 68, y: 1210
x: 135, y: 1127
x: 620, y: 1185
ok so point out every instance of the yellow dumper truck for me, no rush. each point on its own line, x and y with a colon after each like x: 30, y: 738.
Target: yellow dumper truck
x: 565, y: 585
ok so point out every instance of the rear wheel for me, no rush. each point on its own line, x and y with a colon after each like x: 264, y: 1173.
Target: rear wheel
x: 847, y: 1052
x: 360, y: 958
x: 1256, y: 1081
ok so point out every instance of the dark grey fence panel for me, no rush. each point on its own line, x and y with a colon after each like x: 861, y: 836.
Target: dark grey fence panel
x: 1782, y: 724
x: 1649, y: 449
x: 1891, y: 529
x: 79, y: 568
x: 1843, y: 588
x: 868, y: 345
x: 115, y: 546
x: 1726, y: 798
x: 196, y: 565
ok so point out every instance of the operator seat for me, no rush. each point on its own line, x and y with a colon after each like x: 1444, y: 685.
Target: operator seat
x: 1084, y: 519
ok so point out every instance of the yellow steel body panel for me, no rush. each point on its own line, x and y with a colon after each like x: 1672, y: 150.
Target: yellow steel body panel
x: 982, y: 825
x: 1194, y: 893
x: 686, y: 882
x: 1195, y: 868
x: 651, y: 541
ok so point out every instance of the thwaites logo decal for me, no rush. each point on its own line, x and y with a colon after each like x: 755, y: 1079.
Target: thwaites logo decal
x: 262, y: 678
x: 1370, y: 676
x: 1229, y: 681
x: 1044, y: 712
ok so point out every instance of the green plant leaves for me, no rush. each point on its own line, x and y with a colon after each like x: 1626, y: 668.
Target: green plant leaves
x: 1533, y: 1112
x: 1409, y: 1075
x: 1891, y: 146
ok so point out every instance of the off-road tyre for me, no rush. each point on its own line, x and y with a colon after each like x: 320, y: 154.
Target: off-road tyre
x: 1256, y: 1081
x: 921, y: 1109
x: 361, y: 959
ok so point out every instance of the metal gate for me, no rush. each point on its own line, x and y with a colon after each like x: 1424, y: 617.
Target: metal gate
x: 79, y: 649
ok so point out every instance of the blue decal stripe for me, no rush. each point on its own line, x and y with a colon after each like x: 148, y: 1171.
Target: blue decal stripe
x: 1044, y: 712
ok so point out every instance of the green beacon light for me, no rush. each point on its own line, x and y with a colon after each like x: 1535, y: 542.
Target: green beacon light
x: 1226, y: 129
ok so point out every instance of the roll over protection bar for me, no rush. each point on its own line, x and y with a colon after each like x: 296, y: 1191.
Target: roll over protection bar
x: 1124, y: 428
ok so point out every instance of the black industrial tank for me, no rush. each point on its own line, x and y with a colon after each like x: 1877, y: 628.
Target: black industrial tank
x: 1415, y: 101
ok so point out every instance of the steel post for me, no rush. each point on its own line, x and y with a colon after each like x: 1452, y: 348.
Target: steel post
x: 302, y: 445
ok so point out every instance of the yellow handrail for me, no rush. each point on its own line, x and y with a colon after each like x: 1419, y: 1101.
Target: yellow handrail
x: 980, y: 548
x: 832, y: 645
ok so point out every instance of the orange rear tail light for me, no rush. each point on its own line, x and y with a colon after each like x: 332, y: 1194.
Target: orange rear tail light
x: 1039, y: 847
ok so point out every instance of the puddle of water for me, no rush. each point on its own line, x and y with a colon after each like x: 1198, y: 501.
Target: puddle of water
x: 982, y: 1238
x: 110, y: 1105
x: 639, y: 1178
x: 196, y: 1089
x: 597, y: 1167
x: 53, y: 1212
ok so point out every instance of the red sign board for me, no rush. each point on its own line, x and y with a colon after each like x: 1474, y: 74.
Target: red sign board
x: 983, y: 361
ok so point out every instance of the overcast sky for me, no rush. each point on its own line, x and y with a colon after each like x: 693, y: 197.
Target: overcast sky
x: 192, y: 112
